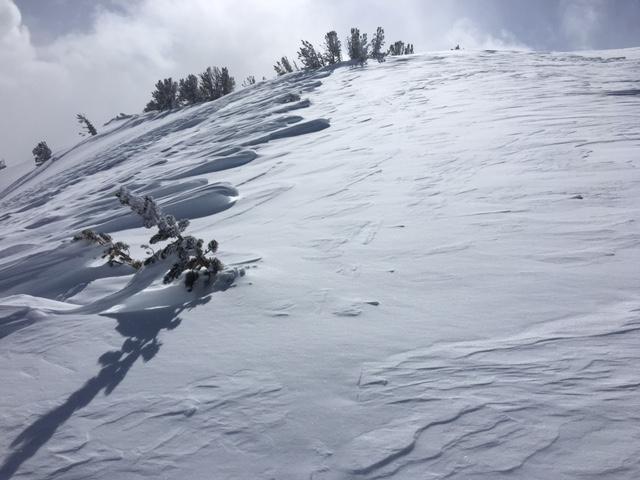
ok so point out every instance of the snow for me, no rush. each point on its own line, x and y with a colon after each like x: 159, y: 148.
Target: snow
x: 441, y: 256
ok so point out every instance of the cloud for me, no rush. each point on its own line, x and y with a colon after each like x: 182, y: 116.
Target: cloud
x: 469, y: 36
x: 581, y: 21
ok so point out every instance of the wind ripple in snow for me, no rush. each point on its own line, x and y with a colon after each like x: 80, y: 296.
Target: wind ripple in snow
x: 478, y: 410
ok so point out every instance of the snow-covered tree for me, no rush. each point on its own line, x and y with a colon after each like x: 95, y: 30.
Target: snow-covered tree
x: 333, y: 48
x: 250, y: 80
x: 357, y: 46
x: 3, y: 164
x: 310, y: 58
x: 377, y: 42
x: 188, y: 92
x: 227, y: 82
x: 116, y: 252
x: 187, y: 252
x: 209, y: 80
x: 216, y: 82
x: 164, y: 96
x: 88, y: 127
x: 41, y: 153
x: 399, y: 48
x: 283, y: 66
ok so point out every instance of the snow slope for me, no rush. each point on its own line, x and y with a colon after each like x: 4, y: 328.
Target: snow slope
x: 442, y: 282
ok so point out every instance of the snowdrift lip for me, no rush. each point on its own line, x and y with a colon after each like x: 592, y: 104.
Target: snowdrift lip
x: 302, y: 128
x: 190, y: 204
x: 217, y: 165
x: 632, y: 92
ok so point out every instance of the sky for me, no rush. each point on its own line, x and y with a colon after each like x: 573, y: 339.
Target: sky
x: 102, y: 57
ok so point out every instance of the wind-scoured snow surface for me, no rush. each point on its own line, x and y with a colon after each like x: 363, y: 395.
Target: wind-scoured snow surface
x: 442, y: 281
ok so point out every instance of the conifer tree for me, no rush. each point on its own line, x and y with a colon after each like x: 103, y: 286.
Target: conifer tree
x: 41, y: 153
x: 86, y: 125
x: 287, y: 65
x: 333, y: 48
x: 396, y: 48
x: 188, y: 91
x: 209, y: 83
x: 250, y: 80
x: 357, y: 46
x: 188, y: 253
x: 309, y: 57
x: 227, y: 82
x: 399, y: 48
x: 283, y: 66
x: 377, y: 42
x: 164, y: 96
x: 279, y: 68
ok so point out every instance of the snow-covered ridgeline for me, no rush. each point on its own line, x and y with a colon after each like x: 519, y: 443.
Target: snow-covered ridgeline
x: 442, y: 280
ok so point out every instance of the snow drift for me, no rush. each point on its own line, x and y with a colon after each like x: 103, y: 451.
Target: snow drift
x: 441, y: 255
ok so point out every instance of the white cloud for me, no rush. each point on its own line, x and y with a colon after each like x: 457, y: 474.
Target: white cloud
x: 581, y: 21
x: 469, y: 36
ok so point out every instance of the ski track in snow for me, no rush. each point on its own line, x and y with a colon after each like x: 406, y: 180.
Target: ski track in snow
x: 442, y: 282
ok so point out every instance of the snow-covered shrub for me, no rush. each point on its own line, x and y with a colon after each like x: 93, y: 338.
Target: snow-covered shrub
x: 188, y: 252
x: 86, y: 125
x: 399, y: 48
x: 164, y: 96
x: 227, y: 82
x: 333, y: 48
x: 310, y: 58
x: 357, y: 46
x: 41, y: 153
x: 377, y: 42
x: 250, y: 80
x: 116, y: 252
x: 188, y: 92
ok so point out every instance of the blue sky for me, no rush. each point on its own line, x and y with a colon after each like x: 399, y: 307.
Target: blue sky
x: 101, y: 57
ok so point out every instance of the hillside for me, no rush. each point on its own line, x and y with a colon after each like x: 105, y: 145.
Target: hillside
x: 441, y: 256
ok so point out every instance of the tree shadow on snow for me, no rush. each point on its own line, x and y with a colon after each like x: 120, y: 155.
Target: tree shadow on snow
x: 141, y: 330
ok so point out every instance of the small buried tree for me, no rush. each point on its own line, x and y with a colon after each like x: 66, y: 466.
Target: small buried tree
x: 116, y: 252
x: 283, y: 66
x: 41, y: 153
x: 88, y: 127
x: 250, y: 80
x: 189, y: 252
x: 399, y: 48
